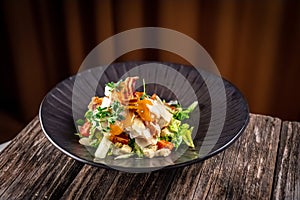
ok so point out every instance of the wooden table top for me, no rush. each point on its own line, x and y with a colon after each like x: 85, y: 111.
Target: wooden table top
x: 262, y: 164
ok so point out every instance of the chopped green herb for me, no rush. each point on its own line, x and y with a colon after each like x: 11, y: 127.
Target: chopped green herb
x: 115, y: 86
x: 117, y: 109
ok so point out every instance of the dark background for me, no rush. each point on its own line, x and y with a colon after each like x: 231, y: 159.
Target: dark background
x: 255, y: 44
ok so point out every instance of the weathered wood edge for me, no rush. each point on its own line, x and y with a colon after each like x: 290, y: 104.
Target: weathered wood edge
x: 287, y: 174
x: 32, y: 167
x: 11, y: 155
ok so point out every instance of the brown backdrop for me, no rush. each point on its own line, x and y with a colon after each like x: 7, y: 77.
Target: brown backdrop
x: 255, y: 44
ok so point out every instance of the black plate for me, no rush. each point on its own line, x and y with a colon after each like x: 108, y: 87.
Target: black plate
x: 57, y: 118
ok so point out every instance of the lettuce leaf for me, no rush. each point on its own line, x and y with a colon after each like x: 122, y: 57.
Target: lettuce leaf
x: 184, y: 113
x: 186, y: 132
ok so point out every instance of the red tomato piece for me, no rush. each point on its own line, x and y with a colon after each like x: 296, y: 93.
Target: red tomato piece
x: 164, y: 144
x: 85, y: 129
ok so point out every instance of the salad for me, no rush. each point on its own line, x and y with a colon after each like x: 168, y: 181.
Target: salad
x: 127, y: 123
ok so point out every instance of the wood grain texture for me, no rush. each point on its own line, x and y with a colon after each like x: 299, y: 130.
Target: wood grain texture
x: 111, y: 184
x: 261, y: 164
x: 287, y: 176
x: 32, y: 168
x: 244, y: 170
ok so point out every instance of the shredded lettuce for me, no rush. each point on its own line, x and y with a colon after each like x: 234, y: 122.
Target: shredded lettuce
x: 178, y: 132
x: 186, y: 132
x: 136, y: 148
x: 138, y: 151
x: 176, y: 140
x: 174, y: 125
x: 183, y: 114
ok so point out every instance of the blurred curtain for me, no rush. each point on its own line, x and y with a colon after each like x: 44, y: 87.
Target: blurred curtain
x: 255, y: 44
